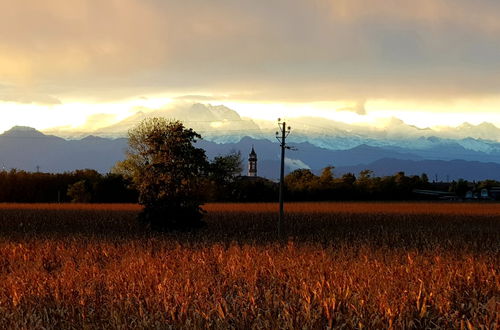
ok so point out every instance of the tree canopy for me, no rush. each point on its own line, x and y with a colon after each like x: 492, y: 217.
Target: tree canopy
x: 167, y: 170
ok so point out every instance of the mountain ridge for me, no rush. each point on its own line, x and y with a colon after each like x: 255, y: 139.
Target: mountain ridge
x: 26, y: 148
x: 435, y: 169
x: 219, y: 123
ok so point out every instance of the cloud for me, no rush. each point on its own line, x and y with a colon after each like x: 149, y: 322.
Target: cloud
x: 284, y: 50
x: 358, y: 108
x: 478, y: 16
x: 294, y: 164
x: 196, y: 98
x: 28, y: 98
x: 77, y: 40
x: 99, y: 120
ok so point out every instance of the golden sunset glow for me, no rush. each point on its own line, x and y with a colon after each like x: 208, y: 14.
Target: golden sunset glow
x: 80, y: 116
x: 83, y: 64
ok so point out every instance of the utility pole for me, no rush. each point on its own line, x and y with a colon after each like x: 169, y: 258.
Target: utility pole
x: 285, y: 131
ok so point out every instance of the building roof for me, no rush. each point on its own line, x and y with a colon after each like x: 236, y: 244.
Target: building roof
x: 252, y: 153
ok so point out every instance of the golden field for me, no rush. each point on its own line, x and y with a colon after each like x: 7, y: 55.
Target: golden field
x: 351, y: 265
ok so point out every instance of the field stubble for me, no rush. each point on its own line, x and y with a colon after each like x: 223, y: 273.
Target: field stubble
x: 374, y: 265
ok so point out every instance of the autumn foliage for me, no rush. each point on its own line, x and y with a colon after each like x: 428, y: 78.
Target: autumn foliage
x: 373, y: 265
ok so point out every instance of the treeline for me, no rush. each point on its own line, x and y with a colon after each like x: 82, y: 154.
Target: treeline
x: 303, y: 185
x: 85, y: 186
x: 225, y: 185
x: 90, y: 186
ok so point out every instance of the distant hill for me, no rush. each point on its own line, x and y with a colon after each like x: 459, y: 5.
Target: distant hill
x: 308, y: 155
x: 26, y: 148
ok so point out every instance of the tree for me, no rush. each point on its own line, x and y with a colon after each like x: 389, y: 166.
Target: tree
x: 365, y: 175
x: 222, y: 172
x: 223, y: 169
x: 166, y: 169
x: 460, y: 188
x: 80, y: 192
x: 301, y: 184
x: 348, y: 179
x: 114, y: 188
x: 326, y: 178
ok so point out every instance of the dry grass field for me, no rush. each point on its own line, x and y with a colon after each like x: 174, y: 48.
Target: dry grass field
x: 351, y: 265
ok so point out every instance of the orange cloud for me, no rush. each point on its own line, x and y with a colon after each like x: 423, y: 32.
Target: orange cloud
x: 274, y: 50
x: 60, y: 39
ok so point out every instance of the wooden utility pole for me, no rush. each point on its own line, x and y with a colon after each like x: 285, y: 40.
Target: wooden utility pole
x: 285, y: 131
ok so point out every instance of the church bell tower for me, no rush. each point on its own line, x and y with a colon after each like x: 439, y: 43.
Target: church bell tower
x: 252, y: 163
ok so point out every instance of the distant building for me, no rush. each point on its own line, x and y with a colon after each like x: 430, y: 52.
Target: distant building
x: 252, y: 163
x: 485, y: 194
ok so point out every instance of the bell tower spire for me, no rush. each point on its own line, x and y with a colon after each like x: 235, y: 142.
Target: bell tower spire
x: 252, y: 163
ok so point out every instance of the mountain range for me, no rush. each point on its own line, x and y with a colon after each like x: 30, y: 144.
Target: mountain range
x: 28, y: 149
x: 218, y: 123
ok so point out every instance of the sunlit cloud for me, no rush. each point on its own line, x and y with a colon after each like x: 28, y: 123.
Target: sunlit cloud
x: 266, y: 60
x: 358, y: 108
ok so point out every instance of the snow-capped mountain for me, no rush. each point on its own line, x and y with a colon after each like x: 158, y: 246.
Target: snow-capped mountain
x: 320, y: 142
x: 218, y: 123
x: 28, y: 149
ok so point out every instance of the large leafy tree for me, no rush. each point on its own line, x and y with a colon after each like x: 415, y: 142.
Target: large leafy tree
x: 166, y: 169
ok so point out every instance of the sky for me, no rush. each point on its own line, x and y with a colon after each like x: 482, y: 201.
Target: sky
x: 427, y: 62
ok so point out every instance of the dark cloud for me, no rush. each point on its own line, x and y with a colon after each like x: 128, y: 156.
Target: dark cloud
x: 273, y: 50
